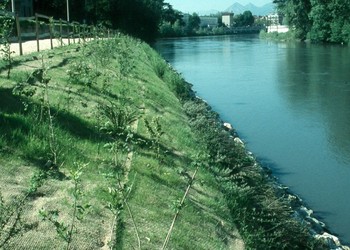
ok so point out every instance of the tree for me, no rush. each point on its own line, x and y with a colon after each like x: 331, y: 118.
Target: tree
x: 340, y: 24
x: 170, y: 15
x: 296, y: 13
x: 193, y: 23
x: 245, y: 19
x: 321, y: 21
x: 140, y: 18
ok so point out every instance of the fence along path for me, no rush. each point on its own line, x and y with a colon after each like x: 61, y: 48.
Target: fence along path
x: 41, y: 32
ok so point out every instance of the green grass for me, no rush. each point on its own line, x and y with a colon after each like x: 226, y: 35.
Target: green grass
x: 129, y: 74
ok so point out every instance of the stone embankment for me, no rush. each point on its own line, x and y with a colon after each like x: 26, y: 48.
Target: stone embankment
x: 317, y: 228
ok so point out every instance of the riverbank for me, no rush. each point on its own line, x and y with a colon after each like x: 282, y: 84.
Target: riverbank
x: 108, y: 134
x: 254, y: 190
x: 91, y: 135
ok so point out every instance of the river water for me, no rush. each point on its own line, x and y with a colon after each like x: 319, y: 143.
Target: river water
x: 290, y: 103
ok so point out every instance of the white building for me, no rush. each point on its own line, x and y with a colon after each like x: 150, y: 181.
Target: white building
x: 273, y: 19
x: 274, y: 24
x: 227, y: 19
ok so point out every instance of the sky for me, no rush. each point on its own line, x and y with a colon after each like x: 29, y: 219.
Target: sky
x: 190, y: 6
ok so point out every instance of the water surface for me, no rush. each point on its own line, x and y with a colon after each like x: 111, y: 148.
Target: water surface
x: 289, y: 102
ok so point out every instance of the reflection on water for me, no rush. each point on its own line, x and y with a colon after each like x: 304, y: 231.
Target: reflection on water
x: 289, y: 102
x: 316, y: 81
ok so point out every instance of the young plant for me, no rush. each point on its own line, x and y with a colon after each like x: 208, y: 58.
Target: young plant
x: 155, y: 131
x: 118, y: 199
x: 179, y: 204
x: 66, y: 230
x: 42, y: 77
x: 125, y: 57
x: 81, y: 72
x: 115, y: 205
x: 6, y: 27
x: 10, y: 214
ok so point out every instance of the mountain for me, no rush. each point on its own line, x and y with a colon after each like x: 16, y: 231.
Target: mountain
x: 238, y: 8
x: 208, y: 12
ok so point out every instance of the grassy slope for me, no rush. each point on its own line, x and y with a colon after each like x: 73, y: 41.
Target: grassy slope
x: 85, y: 80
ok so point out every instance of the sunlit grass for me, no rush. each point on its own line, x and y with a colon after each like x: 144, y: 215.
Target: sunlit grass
x: 128, y: 74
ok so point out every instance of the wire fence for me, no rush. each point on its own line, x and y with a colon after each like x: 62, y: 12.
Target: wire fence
x: 40, y: 27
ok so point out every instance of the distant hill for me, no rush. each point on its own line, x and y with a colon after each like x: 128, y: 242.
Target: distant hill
x: 238, y: 8
x: 208, y: 12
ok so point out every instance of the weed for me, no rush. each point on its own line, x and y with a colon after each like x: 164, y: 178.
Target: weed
x: 119, y: 119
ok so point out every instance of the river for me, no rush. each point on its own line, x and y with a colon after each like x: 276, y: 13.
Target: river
x: 289, y: 102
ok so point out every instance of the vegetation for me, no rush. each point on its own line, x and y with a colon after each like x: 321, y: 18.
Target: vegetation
x: 99, y: 128
x: 245, y: 19
x: 139, y: 18
x: 319, y: 21
x: 125, y: 146
x: 6, y: 24
x: 283, y: 37
x: 175, y: 26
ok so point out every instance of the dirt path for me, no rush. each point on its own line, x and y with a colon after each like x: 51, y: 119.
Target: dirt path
x: 44, y: 44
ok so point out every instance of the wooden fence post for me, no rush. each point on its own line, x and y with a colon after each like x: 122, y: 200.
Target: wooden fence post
x: 74, y: 33
x: 68, y: 27
x: 19, y: 36
x: 51, y: 33
x: 79, y: 33
x: 82, y: 31
x: 37, y: 31
x: 61, y: 32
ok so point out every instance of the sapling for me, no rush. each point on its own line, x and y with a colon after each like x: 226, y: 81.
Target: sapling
x: 119, y: 193
x: 179, y: 204
x: 125, y: 59
x: 115, y: 205
x: 66, y: 230
x: 125, y: 193
x: 41, y: 76
x: 10, y: 214
x: 6, y: 27
x: 155, y: 131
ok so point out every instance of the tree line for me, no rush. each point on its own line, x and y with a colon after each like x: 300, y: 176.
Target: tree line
x: 145, y: 19
x: 176, y: 24
x: 317, y: 20
x: 139, y: 18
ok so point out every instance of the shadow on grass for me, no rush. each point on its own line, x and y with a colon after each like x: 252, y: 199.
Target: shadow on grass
x: 76, y: 126
x: 63, y: 63
x: 8, y: 102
